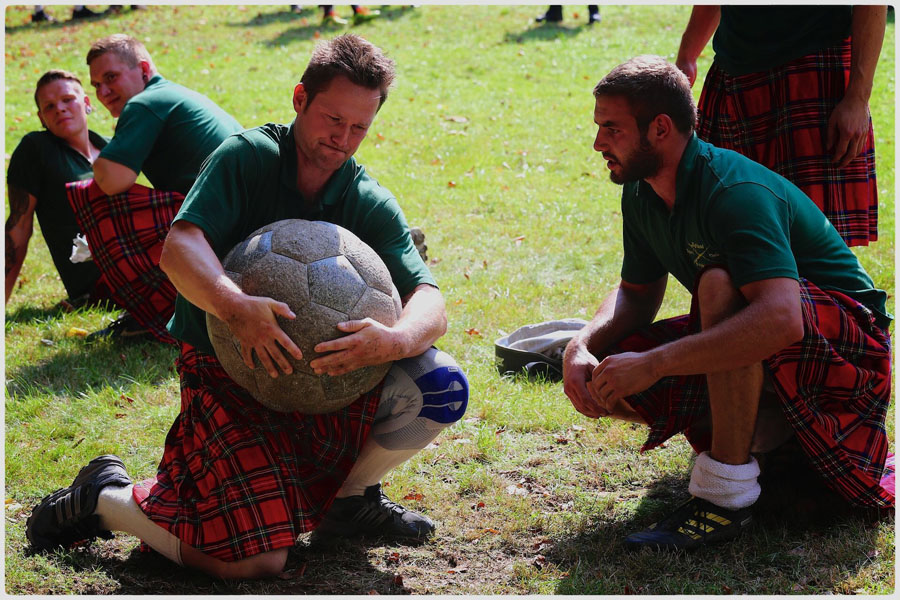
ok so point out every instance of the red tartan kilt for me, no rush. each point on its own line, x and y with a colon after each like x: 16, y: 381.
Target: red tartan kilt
x: 237, y: 479
x: 779, y: 119
x: 125, y: 233
x: 834, y: 387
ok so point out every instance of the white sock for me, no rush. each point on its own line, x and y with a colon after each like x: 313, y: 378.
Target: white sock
x: 373, y: 463
x: 118, y: 511
x: 728, y: 486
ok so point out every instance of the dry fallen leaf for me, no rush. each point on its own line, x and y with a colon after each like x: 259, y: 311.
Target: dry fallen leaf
x: 473, y: 331
x: 413, y: 496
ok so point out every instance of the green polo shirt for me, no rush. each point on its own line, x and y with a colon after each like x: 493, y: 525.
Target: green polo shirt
x: 734, y: 212
x: 757, y: 38
x: 42, y: 164
x: 167, y: 131
x: 251, y: 181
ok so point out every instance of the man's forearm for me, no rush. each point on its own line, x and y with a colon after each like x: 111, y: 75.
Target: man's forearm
x: 19, y: 226
x: 700, y: 28
x: 14, y: 259
x: 867, y: 37
x: 422, y: 321
x: 622, y: 312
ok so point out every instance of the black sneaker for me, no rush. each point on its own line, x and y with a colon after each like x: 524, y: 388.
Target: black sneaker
x: 67, y: 515
x: 695, y: 523
x: 39, y: 16
x: 553, y: 15
x: 124, y: 328
x: 83, y: 13
x: 374, y: 514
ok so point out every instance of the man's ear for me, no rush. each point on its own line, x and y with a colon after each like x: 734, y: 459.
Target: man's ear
x: 88, y: 109
x: 146, y: 71
x: 661, y: 127
x: 299, y: 98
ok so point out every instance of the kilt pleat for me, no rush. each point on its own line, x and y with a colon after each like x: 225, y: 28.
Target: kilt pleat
x: 236, y: 478
x: 779, y: 119
x: 125, y: 233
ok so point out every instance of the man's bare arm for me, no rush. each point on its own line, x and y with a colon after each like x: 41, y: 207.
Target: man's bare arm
x: 113, y: 177
x: 19, y: 227
x: 848, y: 125
x: 421, y: 323
x: 701, y: 26
x: 628, y: 308
x: 196, y: 272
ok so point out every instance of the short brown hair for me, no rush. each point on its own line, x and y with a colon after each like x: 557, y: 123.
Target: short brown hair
x: 652, y: 86
x: 51, y: 76
x: 360, y: 61
x: 131, y: 51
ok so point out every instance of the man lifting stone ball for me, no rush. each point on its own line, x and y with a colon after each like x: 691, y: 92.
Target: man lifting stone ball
x: 239, y: 482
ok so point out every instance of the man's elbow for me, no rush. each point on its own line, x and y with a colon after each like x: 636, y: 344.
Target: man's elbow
x: 111, y: 188
x: 442, y: 324
x: 113, y: 178
x: 790, y: 329
x: 166, y: 258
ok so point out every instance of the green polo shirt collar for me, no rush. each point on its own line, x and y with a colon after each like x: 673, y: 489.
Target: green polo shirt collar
x: 154, y: 80
x: 686, y: 166
x: 334, y: 187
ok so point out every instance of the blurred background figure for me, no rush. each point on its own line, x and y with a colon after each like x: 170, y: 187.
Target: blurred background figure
x: 554, y: 14
x: 79, y: 11
x: 361, y: 14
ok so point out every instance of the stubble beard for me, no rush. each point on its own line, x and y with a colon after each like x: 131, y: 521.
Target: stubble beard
x: 642, y: 163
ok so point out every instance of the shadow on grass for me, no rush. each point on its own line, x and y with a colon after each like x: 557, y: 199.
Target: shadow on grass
x: 284, y: 16
x: 57, y: 24
x: 543, y: 33
x: 796, y: 518
x: 307, y: 31
x: 28, y: 314
x: 341, y: 569
x: 79, y: 367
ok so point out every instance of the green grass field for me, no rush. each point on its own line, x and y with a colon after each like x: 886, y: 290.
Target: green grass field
x: 486, y: 140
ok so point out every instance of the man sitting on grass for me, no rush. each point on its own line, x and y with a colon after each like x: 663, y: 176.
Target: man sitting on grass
x: 39, y: 169
x: 783, y: 316
x: 165, y: 130
x: 239, y: 482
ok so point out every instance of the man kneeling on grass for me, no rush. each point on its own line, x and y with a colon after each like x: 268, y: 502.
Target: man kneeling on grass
x: 787, y: 335
x: 166, y: 131
x: 239, y: 482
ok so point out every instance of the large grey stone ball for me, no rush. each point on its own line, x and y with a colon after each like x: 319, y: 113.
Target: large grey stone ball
x: 326, y: 275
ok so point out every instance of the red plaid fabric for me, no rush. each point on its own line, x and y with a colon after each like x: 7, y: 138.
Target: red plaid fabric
x: 237, y: 479
x: 834, y: 387
x: 778, y: 118
x: 125, y: 233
